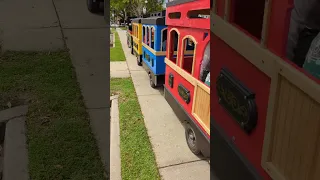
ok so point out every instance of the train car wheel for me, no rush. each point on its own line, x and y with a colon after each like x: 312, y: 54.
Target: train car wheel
x: 191, y: 139
x: 93, y: 6
x: 152, y: 84
x: 138, y: 61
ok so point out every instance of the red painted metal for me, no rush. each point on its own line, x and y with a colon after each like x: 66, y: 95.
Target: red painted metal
x: 249, y: 145
x: 184, y: 21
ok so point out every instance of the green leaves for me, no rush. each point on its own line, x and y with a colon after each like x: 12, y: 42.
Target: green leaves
x: 125, y: 8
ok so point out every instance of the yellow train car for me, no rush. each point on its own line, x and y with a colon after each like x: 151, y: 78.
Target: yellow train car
x: 137, y: 39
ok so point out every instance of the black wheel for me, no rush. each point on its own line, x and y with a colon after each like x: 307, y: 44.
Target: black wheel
x: 191, y: 139
x: 93, y: 7
x: 151, y: 81
x: 138, y: 61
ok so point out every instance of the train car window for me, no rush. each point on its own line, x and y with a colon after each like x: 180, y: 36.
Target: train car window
x: 164, y: 39
x: 144, y: 34
x: 175, y: 15
x: 199, y: 14
x: 134, y: 30
x: 147, y: 35
x: 248, y: 16
x: 137, y: 27
x: 173, y: 46
x: 188, y: 55
x: 137, y: 31
x: 152, y: 37
x: 205, y: 66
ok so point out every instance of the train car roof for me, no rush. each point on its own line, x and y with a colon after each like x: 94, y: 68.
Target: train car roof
x: 138, y: 19
x: 177, y: 2
x: 157, y: 18
x: 154, y: 20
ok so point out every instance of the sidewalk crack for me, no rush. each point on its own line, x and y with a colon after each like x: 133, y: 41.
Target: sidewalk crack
x: 180, y: 163
x: 59, y: 22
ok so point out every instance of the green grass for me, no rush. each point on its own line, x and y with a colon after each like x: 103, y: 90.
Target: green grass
x: 123, y: 28
x: 60, y: 143
x: 137, y: 157
x: 116, y: 53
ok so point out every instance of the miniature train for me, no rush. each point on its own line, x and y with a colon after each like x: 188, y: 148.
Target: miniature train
x: 175, y: 51
x: 265, y: 105
x: 187, y: 76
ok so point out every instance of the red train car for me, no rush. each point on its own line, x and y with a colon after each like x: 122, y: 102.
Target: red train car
x: 187, y: 82
x: 264, y: 104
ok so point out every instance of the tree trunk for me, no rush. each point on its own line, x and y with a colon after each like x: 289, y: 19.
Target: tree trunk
x: 125, y: 15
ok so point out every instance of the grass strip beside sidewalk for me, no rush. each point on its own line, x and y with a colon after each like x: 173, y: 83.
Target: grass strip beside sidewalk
x: 137, y: 157
x: 60, y: 143
x: 116, y: 53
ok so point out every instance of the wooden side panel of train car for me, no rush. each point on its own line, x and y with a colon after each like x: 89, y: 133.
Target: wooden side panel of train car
x: 285, y: 142
x: 137, y: 37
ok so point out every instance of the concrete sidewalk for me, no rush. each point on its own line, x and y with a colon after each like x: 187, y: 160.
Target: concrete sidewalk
x: 29, y: 26
x: 174, y: 159
x: 119, y: 69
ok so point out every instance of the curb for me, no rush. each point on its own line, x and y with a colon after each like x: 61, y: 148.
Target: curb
x: 12, y: 113
x: 115, y: 157
x: 15, y: 161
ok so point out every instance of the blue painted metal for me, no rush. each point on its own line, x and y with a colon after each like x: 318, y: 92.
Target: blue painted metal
x: 155, y: 63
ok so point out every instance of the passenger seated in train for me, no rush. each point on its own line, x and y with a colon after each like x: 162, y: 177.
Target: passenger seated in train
x: 312, y: 62
x: 164, y: 45
x: 205, y: 66
x: 304, y: 27
x: 190, y: 45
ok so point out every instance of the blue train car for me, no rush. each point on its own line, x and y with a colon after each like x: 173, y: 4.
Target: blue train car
x: 154, y: 42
